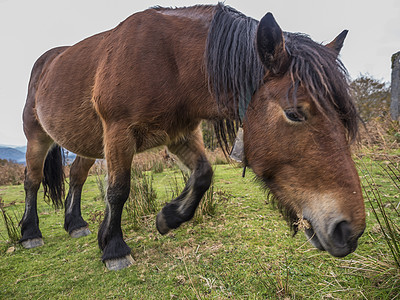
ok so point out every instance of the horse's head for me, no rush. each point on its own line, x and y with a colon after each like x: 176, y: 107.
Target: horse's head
x: 296, y: 136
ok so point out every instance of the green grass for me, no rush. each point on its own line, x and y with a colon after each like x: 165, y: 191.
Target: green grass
x: 244, y: 251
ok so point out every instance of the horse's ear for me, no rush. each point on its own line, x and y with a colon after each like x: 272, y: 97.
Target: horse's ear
x: 337, y: 44
x: 271, y: 45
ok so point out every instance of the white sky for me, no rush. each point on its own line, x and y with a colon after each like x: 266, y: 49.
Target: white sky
x: 29, y: 28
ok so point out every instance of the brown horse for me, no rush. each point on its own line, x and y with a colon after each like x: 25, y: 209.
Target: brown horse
x: 152, y: 79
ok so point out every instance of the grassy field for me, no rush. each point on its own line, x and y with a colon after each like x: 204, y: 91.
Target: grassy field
x: 244, y: 251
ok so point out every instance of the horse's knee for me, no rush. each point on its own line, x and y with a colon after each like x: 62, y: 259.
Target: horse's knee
x: 31, y: 185
x: 117, y: 194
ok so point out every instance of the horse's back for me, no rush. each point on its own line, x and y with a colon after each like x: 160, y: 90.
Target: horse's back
x: 146, y: 72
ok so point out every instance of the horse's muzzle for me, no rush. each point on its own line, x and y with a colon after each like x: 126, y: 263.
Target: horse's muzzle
x: 340, y: 239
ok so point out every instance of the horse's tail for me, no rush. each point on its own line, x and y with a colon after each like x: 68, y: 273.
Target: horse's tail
x: 53, y: 177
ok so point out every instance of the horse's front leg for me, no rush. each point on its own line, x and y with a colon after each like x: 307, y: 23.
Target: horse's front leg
x: 181, y: 209
x: 119, y: 153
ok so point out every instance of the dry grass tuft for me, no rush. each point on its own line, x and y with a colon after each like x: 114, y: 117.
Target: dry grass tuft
x: 302, y: 224
x: 384, y: 269
x: 380, y: 270
x: 11, y: 224
x: 380, y: 134
x: 154, y: 160
x: 142, y: 200
x: 276, y: 277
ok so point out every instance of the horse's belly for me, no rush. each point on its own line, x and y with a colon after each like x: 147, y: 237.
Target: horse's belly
x: 74, y: 126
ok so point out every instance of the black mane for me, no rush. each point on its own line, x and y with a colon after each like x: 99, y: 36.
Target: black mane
x: 233, y: 67
x: 235, y: 72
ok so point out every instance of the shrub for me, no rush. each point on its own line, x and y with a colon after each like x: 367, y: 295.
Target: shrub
x: 372, y: 97
x: 11, y: 173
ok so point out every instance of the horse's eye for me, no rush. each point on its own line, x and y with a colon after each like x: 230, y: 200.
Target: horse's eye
x: 295, y: 115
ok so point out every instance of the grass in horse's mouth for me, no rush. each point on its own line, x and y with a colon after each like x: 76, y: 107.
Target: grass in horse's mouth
x: 303, y: 224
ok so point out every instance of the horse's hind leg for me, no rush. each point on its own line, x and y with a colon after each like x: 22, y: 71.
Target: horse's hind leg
x: 73, y: 222
x: 36, y: 153
x: 191, y: 152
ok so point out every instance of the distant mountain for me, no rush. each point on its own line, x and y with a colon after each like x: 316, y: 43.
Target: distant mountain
x: 20, y: 148
x: 12, y: 154
x: 17, y: 154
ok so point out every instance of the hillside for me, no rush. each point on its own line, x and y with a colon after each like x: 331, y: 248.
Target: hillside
x: 17, y: 154
x: 12, y: 154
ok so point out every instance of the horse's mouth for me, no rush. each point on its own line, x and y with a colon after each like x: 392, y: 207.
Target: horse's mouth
x: 304, y: 223
x: 324, y: 243
x: 313, y: 238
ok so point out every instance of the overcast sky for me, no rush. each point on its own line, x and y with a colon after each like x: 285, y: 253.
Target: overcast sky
x: 28, y: 28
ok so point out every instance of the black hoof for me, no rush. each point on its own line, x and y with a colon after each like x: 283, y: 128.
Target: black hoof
x: 161, y: 224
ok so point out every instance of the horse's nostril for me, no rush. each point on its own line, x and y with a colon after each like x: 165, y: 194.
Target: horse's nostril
x: 341, y: 234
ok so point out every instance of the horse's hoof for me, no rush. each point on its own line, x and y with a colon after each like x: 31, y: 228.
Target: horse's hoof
x: 33, y: 243
x: 161, y: 224
x: 119, y: 263
x: 80, y: 232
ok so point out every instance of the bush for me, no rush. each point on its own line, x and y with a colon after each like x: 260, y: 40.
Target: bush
x: 11, y: 173
x: 372, y: 97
